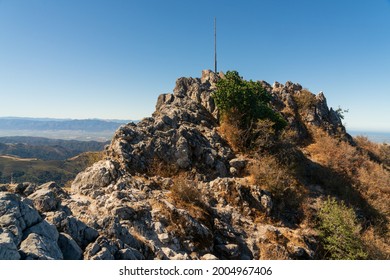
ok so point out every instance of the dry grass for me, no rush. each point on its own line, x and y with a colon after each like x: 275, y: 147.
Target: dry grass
x: 305, y: 100
x: 370, y: 178
x: 377, y: 247
x: 278, y: 179
x: 185, y: 194
x: 159, y: 167
x: 185, y: 190
x: 272, y: 251
x: 270, y: 175
x: 378, y: 152
x: 366, y: 144
x: 335, y: 154
x: 360, y: 177
x: 230, y: 130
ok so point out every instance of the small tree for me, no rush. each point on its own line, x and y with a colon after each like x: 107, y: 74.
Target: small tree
x: 340, y: 232
x: 246, y: 99
x: 242, y: 104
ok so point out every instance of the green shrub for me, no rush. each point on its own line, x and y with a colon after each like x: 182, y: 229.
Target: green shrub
x: 340, y: 232
x: 247, y: 99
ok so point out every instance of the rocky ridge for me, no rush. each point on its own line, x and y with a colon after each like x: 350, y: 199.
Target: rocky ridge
x: 127, y: 206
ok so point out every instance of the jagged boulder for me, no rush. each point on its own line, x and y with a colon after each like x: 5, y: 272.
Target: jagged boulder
x: 40, y: 242
x: 94, y: 179
x: 284, y: 99
x: 39, y: 247
x: 181, y: 134
x: 8, y: 249
x: 47, y: 197
x: 79, y: 231
x: 69, y: 248
x: 23, y: 232
x: 16, y: 216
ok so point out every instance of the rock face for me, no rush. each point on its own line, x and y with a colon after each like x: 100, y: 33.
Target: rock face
x: 127, y: 206
x: 315, y: 111
x: 181, y: 134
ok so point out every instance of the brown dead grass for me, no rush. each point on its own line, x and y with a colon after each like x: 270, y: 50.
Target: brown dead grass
x: 230, y: 130
x: 335, y: 154
x: 288, y: 193
x: 159, y: 167
x: 377, y: 247
x: 363, y: 173
x: 305, y: 99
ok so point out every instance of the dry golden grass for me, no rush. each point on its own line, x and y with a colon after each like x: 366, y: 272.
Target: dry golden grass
x: 305, y: 99
x: 363, y: 168
x: 184, y: 190
x: 278, y: 179
x: 335, y: 154
x: 366, y: 144
x: 159, y: 167
x: 232, y: 133
x: 379, y: 152
x: 377, y: 247
x: 272, y: 251
x: 369, y: 177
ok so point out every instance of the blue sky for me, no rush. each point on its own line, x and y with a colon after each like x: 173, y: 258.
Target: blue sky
x: 112, y: 58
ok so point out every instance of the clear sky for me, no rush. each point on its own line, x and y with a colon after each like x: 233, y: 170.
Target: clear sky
x: 112, y: 58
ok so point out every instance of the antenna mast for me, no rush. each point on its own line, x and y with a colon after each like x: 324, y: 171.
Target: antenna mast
x: 215, y: 45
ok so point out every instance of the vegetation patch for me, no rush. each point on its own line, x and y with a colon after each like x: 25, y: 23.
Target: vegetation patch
x: 241, y: 105
x: 340, y: 232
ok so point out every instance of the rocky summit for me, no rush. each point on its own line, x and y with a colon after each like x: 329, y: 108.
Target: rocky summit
x: 169, y: 187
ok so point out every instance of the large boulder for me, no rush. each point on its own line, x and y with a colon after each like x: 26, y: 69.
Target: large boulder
x: 40, y: 247
x: 8, y: 249
x: 69, y: 248
x: 94, y: 179
x: 16, y: 216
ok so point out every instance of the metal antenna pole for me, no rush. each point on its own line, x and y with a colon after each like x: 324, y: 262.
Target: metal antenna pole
x: 215, y: 45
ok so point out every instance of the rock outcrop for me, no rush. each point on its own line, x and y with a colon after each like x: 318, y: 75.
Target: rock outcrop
x: 313, y: 112
x: 127, y: 206
x: 182, y: 133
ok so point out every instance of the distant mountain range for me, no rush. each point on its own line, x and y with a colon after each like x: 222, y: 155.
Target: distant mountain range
x: 14, y: 123
x: 69, y: 129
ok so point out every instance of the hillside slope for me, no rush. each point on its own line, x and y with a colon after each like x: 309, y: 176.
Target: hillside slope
x: 174, y: 186
x: 46, y: 149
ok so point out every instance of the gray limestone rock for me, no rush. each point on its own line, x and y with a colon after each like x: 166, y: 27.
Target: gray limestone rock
x: 16, y: 216
x: 129, y: 254
x: 69, y: 248
x: 79, y: 231
x: 38, y: 247
x: 94, y: 179
x: 43, y: 229
x: 181, y: 134
x: 8, y: 249
x: 44, y: 200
